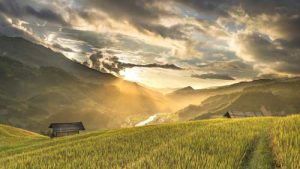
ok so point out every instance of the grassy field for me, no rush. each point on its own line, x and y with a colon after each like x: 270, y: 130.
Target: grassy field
x: 252, y: 143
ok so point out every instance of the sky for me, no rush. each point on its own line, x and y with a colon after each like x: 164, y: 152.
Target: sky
x: 166, y: 43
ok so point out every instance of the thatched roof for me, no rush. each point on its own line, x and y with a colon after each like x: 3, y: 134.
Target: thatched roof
x: 236, y: 114
x: 79, y: 125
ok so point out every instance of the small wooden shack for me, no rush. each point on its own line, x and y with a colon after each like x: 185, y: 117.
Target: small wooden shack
x: 65, y: 129
x: 236, y: 114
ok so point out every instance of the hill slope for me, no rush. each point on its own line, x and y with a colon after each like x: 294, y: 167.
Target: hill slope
x: 11, y: 137
x: 272, y: 97
x: 35, y: 55
x: 198, y: 144
x: 187, y: 96
x: 39, y: 86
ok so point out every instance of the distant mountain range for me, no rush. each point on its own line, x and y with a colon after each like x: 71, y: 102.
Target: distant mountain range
x: 270, y: 96
x: 39, y: 86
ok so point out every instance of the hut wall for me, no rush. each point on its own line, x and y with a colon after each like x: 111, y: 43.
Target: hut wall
x: 65, y: 133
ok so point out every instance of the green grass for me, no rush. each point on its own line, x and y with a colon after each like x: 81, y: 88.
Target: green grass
x: 286, y: 142
x: 12, y: 138
x: 210, y: 144
x: 261, y: 155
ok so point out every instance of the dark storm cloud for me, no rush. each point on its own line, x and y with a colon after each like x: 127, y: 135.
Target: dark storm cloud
x: 7, y: 29
x: 235, y: 68
x: 284, y: 7
x: 288, y: 27
x: 213, y: 76
x: 104, y: 63
x: 178, y: 31
x: 277, y: 41
x: 21, y: 9
x: 234, y: 65
x: 277, y: 20
x: 127, y: 9
x: 45, y: 14
x: 269, y: 35
x: 152, y: 65
x: 111, y: 64
x: 142, y: 14
x: 270, y: 76
x: 11, y: 7
x: 59, y: 47
x: 146, y: 9
x: 213, y: 8
x: 251, y: 7
x: 257, y: 48
x: 116, y: 44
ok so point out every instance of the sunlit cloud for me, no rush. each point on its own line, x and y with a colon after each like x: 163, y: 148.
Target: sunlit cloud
x: 243, y: 39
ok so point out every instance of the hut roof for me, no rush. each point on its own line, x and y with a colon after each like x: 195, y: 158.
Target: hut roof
x: 237, y: 114
x: 73, y: 124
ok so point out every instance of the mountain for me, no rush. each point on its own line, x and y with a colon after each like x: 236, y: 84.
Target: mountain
x: 270, y: 96
x: 184, y: 90
x: 39, y: 86
x: 35, y: 55
x: 189, y: 96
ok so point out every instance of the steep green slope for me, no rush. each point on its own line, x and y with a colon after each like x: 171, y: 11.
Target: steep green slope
x: 33, y: 97
x: 219, y: 143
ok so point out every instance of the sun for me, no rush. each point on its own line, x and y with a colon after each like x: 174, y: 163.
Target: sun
x: 130, y: 75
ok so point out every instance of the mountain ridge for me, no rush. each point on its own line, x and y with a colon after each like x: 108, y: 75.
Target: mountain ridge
x: 274, y: 96
x: 34, y: 93
x: 32, y: 54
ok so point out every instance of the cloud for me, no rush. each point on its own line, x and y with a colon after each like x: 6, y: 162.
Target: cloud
x: 11, y: 7
x: 45, y: 14
x: 105, y: 62
x: 242, y: 38
x: 126, y: 8
x: 178, y: 31
x: 268, y: 54
x: 144, y: 15
x: 223, y: 8
x: 22, y: 9
x: 212, y: 8
x: 11, y: 27
x: 271, y: 76
x: 235, y: 68
x: 61, y: 48
x: 152, y: 65
x: 213, y: 76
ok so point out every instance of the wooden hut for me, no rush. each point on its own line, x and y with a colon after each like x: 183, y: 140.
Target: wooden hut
x: 65, y: 129
x: 235, y: 114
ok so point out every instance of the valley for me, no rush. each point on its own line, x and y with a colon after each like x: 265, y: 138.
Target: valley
x: 35, y: 92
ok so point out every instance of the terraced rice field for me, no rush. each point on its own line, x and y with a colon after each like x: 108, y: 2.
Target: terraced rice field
x: 208, y: 144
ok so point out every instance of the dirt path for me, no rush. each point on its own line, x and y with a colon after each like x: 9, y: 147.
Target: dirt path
x: 260, y: 156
